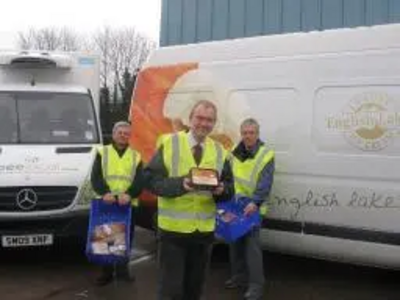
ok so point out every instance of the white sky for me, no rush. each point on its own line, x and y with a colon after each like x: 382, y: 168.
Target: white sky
x: 80, y: 15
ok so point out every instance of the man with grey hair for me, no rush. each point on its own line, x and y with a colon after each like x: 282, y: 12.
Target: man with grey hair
x: 117, y: 177
x: 253, y: 168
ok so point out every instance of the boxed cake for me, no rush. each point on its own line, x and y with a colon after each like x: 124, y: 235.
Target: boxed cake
x: 204, y: 179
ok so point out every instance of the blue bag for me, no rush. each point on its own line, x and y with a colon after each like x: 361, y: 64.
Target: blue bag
x: 108, y: 240
x: 231, y: 230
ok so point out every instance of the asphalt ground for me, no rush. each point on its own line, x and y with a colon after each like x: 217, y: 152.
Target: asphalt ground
x: 63, y: 273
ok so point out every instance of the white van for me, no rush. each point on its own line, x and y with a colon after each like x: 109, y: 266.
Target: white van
x: 49, y: 127
x: 328, y: 103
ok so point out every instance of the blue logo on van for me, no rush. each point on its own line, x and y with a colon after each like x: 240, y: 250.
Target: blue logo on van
x: 86, y: 61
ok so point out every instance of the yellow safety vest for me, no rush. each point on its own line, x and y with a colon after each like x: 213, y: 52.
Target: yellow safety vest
x: 194, y: 211
x: 160, y: 139
x: 119, y: 172
x: 246, y: 173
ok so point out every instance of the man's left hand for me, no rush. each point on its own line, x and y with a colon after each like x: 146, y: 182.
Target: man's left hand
x: 124, y: 199
x: 250, y: 209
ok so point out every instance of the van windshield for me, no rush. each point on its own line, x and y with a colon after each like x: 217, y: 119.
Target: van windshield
x: 47, y: 118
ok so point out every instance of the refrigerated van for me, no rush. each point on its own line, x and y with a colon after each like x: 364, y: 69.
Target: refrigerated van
x: 49, y: 128
x: 329, y: 105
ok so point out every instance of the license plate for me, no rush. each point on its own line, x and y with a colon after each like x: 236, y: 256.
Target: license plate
x: 27, y: 240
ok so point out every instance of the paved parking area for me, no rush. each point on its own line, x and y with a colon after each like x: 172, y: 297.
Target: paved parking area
x: 64, y: 274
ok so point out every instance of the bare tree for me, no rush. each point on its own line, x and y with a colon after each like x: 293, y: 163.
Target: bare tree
x: 70, y: 41
x: 49, y: 38
x: 121, y: 49
x: 102, y: 42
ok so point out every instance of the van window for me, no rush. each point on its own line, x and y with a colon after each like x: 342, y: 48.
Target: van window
x: 44, y: 118
x: 275, y: 110
x: 8, y: 120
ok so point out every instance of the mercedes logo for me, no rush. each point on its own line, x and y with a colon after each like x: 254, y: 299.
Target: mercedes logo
x: 26, y: 199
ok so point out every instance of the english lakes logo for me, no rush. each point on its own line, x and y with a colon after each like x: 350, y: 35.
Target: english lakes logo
x: 369, y: 122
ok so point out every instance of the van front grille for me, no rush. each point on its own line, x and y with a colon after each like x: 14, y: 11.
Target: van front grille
x: 36, y: 198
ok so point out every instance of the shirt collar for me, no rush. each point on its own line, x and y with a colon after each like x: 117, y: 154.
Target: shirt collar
x: 192, y: 140
x: 253, y: 150
x: 119, y: 151
x: 241, y: 152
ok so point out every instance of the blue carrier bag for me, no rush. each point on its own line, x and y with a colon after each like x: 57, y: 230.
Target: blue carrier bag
x: 108, y: 240
x: 231, y: 224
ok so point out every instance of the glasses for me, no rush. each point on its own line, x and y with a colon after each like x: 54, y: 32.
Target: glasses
x: 204, y: 119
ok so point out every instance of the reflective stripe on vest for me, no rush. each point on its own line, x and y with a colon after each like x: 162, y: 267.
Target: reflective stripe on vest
x: 246, y: 182
x: 119, y: 177
x: 185, y: 215
x: 196, y: 210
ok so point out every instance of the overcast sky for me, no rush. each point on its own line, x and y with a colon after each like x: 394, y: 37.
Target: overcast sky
x: 80, y: 15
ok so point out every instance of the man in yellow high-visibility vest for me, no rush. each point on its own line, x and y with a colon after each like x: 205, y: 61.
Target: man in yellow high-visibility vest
x: 186, y: 215
x: 253, y: 168
x: 117, y: 176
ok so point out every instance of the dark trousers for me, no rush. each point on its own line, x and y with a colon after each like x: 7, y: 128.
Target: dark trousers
x: 247, y: 262
x: 183, y: 262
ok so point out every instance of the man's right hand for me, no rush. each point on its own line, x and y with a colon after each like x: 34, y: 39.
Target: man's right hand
x: 109, y: 198
x: 187, y: 185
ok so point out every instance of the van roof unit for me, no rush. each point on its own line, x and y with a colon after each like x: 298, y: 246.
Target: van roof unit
x: 35, y: 60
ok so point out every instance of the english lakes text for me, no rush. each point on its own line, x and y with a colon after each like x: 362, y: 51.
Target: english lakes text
x: 356, y: 200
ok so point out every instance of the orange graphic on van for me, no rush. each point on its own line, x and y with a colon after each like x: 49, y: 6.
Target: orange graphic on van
x: 146, y: 114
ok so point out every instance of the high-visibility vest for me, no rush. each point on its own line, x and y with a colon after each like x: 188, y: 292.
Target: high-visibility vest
x: 159, y: 141
x: 119, y: 172
x: 194, y: 211
x: 247, y: 173
x: 162, y: 136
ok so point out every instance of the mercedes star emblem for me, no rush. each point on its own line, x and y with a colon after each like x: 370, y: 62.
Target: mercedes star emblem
x: 26, y: 199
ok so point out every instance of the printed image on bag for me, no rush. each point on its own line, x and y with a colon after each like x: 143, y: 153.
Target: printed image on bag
x: 231, y: 222
x: 109, y: 238
x: 227, y: 216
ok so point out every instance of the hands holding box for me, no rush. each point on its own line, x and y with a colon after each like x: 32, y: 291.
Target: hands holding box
x: 201, y: 179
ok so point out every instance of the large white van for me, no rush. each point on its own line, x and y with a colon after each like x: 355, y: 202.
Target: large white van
x: 49, y: 127
x: 328, y: 103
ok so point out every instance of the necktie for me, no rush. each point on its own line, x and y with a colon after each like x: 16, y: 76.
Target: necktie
x: 197, y: 153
